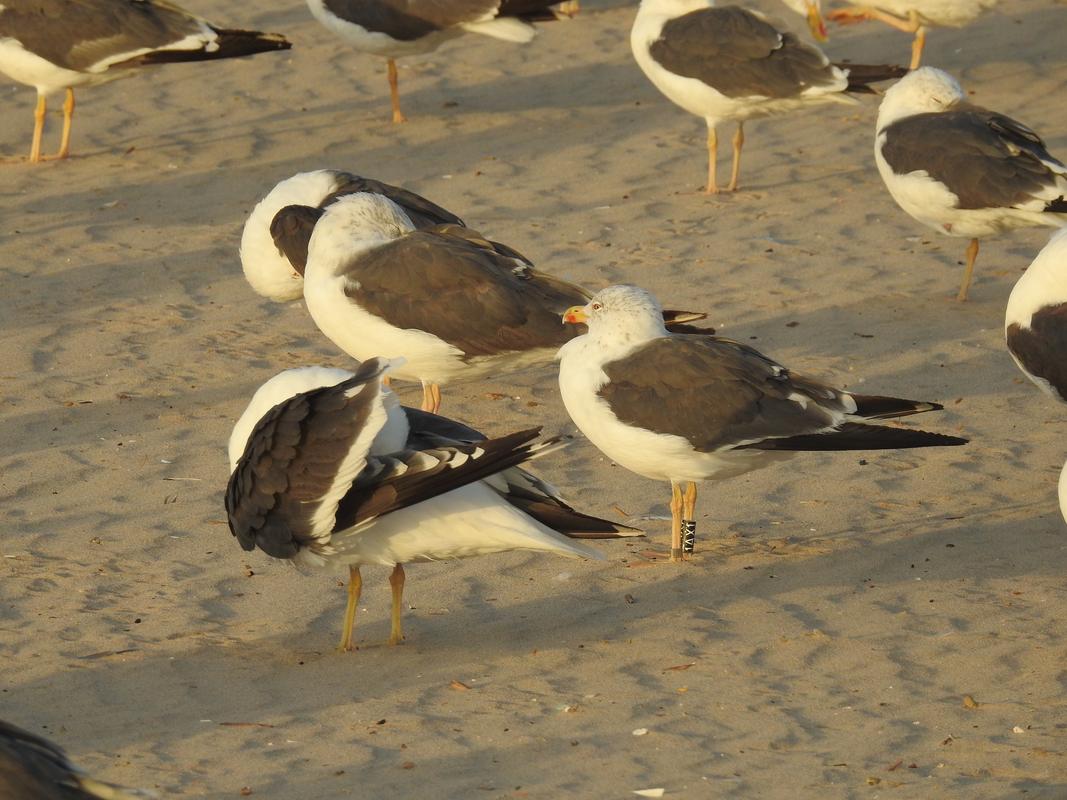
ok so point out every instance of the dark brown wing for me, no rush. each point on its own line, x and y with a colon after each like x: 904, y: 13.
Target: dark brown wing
x: 422, y: 212
x: 456, y: 285
x: 738, y: 54
x: 299, y: 461
x: 407, y: 20
x: 83, y: 34
x: 1041, y: 348
x: 986, y: 159
x: 403, y: 479
x: 716, y: 393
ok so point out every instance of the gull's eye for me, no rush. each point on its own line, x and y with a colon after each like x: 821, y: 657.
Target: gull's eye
x: 597, y: 306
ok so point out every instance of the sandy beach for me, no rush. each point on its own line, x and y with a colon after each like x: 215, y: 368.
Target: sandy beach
x: 855, y: 625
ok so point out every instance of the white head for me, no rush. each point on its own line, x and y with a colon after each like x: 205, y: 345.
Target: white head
x: 266, y: 269
x: 922, y: 91
x: 623, y: 314
x: 353, y: 223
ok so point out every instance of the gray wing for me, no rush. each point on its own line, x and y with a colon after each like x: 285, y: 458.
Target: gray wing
x: 299, y: 461
x: 740, y: 55
x: 407, y: 20
x: 716, y: 393
x: 986, y: 159
x: 456, y: 285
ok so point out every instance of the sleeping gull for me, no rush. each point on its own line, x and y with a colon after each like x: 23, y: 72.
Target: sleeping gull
x: 264, y: 244
x: 963, y: 170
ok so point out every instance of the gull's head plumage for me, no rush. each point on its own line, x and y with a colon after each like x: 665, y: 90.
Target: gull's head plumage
x: 922, y: 91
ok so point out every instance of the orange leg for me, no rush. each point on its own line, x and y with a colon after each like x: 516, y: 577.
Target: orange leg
x: 68, y: 119
x: 739, y: 142
x: 676, y: 522
x: 394, y: 93
x: 917, y: 46
x: 396, y: 583
x: 355, y: 588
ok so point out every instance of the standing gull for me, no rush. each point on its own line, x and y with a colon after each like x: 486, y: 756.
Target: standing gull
x: 396, y: 28
x: 691, y: 408
x: 265, y: 243
x: 730, y: 63
x: 914, y: 16
x: 328, y: 469
x: 59, y: 44
x: 961, y: 169
x: 1035, y: 327
x: 453, y: 304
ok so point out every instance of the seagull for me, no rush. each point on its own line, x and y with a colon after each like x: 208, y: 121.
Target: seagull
x: 453, y: 304
x: 327, y: 468
x: 59, y: 44
x: 730, y: 63
x: 915, y: 16
x: 33, y: 768
x: 264, y: 244
x: 963, y: 170
x: 1035, y: 322
x: 690, y: 408
x: 396, y: 28
x: 1035, y: 327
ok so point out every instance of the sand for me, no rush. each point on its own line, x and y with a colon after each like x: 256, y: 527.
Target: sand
x: 842, y: 607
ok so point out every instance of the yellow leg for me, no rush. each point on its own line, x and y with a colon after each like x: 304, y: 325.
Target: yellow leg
x: 394, y: 93
x: 68, y: 118
x: 435, y: 397
x: 713, y: 153
x: 676, y: 522
x: 387, y: 382
x: 427, y: 397
x: 689, y: 525
x: 739, y: 142
x: 968, y: 271
x: 355, y: 588
x: 38, y: 128
x: 396, y: 582
x: 917, y: 45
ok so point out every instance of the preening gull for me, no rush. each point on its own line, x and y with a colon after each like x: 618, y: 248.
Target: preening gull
x: 327, y: 468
